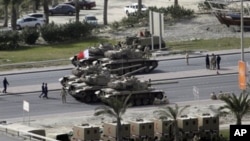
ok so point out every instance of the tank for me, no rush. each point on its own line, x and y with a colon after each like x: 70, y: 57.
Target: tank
x: 128, y: 61
x: 141, y: 92
x: 94, y: 53
x: 85, y: 81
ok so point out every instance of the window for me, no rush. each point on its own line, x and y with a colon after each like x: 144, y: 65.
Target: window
x: 194, y: 122
x: 186, y: 123
x: 143, y: 127
x: 215, y: 121
x: 149, y: 127
x: 88, y: 131
x: 95, y: 131
x: 207, y: 121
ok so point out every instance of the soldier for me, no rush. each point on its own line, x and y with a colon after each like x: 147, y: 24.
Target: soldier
x: 63, y: 94
x: 147, y: 52
x: 213, y: 62
x: 5, y: 83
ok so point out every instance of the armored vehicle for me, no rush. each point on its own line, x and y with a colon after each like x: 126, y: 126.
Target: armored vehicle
x: 84, y: 82
x: 90, y: 55
x: 128, y: 61
x: 141, y: 93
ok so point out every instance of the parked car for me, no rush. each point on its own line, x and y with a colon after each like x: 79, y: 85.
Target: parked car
x: 28, y: 22
x: 133, y: 8
x: 83, y: 4
x: 90, y: 19
x: 62, y: 9
x: 39, y: 16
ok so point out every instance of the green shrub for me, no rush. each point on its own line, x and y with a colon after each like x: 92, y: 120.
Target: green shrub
x: 51, y: 32
x: 69, y: 31
x: 115, y: 25
x: 9, y: 40
x: 30, y: 35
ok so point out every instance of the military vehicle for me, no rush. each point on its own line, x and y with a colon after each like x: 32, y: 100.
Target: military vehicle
x: 94, y: 53
x: 84, y: 82
x: 140, y: 91
x: 120, y: 60
x: 128, y: 61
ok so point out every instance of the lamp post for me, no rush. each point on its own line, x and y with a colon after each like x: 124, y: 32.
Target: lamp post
x: 242, y: 31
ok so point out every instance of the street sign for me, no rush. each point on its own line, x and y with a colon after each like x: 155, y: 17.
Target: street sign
x: 26, y: 106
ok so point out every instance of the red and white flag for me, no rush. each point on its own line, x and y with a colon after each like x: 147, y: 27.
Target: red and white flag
x: 83, y: 54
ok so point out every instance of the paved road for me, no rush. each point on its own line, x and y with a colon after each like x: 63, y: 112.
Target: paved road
x: 4, y: 137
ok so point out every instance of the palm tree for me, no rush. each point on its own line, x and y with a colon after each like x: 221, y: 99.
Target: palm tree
x: 176, y: 3
x: 46, y: 10
x: 6, y: 15
x: 77, y: 10
x: 139, y: 7
x: 13, y: 13
x: 172, y: 113
x: 239, y: 106
x: 116, y: 108
x: 105, y: 12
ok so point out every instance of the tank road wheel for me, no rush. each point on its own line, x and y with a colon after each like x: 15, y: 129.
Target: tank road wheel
x: 154, y: 64
x: 159, y: 95
x: 88, y: 99
x: 145, y: 101
x: 147, y: 70
x: 138, y: 102
x: 94, y: 98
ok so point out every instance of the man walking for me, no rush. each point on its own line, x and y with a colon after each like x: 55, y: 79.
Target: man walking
x: 5, y: 83
x: 42, y: 91
x: 45, y: 91
x: 63, y: 94
x: 207, y: 62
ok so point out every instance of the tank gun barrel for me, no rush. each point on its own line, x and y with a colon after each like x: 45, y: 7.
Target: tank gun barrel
x: 135, y: 71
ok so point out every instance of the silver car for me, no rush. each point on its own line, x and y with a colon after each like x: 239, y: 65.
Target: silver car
x: 28, y: 22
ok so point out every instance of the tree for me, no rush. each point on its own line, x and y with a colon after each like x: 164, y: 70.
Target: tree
x: 77, y: 10
x: 176, y: 3
x: 239, y: 106
x: 13, y: 14
x: 139, y: 7
x: 105, y: 12
x: 6, y: 14
x: 46, y: 10
x: 116, y: 108
x: 166, y: 112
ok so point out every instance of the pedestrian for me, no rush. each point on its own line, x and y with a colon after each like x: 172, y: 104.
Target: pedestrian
x: 207, y: 62
x: 42, y: 94
x: 218, y: 59
x: 213, y: 62
x: 63, y: 94
x: 187, y: 57
x: 5, y: 83
x: 45, y: 91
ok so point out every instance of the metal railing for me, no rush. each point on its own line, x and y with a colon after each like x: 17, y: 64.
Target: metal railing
x: 23, y: 134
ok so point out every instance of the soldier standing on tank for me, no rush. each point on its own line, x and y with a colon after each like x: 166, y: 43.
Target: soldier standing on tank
x: 5, y: 83
x: 147, y: 52
x: 63, y: 94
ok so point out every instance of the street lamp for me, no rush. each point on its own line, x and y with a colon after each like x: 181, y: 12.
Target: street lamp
x: 242, y: 31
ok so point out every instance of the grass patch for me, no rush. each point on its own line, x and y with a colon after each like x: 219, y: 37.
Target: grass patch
x: 66, y: 50
x: 225, y: 133
x: 46, y: 52
x: 210, y: 45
